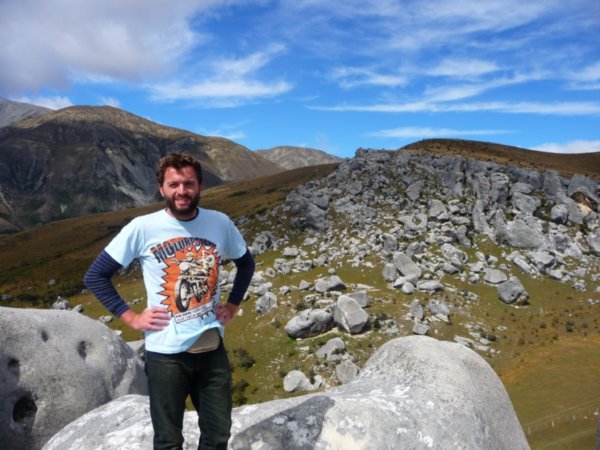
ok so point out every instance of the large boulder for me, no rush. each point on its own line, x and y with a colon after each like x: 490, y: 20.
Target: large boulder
x: 55, y: 366
x: 398, y: 400
x: 310, y: 322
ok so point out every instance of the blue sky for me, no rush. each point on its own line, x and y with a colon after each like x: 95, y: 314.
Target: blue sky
x: 333, y: 75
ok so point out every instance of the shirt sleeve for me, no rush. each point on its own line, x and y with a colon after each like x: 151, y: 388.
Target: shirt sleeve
x: 98, y: 281
x: 243, y: 277
x: 127, y: 245
x: 236, y: 245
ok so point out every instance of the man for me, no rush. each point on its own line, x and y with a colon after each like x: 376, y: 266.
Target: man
x: 180, y: 250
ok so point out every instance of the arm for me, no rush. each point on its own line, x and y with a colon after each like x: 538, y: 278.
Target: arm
x: 245, y: 270
x: 98, y: 281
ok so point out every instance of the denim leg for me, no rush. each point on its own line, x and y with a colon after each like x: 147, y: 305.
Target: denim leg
x: 169, y: 383
x: 211, y: 396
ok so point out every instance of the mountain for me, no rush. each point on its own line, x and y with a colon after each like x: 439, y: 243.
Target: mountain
x: 296, y: 157
x: 11, y: 111
x: 81, y: 160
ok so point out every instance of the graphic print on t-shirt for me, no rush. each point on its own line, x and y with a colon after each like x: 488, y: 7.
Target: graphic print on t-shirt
x: 191, y: 276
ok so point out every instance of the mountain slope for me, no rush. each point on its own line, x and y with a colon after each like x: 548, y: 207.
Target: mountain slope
x: 11, y: 111
x: 295, y: 157
x: 83, y: 159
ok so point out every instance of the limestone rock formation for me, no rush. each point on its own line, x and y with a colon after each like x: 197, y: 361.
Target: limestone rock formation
x: 55, y: 366
x: 399, y: 400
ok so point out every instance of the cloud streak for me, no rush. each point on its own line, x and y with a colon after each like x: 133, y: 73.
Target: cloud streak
x: 425, y: 132
x: 230, y: 82
x: 578, y: 146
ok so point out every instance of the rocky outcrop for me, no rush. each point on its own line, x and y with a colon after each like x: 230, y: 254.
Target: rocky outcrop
x: 55, y: 366
x: 398, y: 400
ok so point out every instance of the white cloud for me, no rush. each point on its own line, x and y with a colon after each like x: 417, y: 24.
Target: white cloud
x: 56, y: 102
x: 424, y: 132
x: 540, y: 108
x: 579, y: 146
x: 463, y: 68
x: 231, y: 82
x: 110, y: 101
x: 230, y: 131
x: 55, y: 41
x: 350, y: 77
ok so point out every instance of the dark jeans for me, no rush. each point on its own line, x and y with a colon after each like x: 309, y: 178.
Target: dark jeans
x: 206, y: 377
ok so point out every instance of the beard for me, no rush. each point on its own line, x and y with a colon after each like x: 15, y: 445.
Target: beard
x: 183, y: 210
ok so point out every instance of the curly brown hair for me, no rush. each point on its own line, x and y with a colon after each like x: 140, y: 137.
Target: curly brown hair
x: 178, y: 161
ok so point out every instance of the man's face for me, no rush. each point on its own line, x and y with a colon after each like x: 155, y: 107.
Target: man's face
x: 181, y: 191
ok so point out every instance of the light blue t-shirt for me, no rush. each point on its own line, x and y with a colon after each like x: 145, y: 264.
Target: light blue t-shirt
x: 180, y: 262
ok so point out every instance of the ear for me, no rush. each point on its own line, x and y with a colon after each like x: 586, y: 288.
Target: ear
x: 201, y: 187
x: 162, y: 193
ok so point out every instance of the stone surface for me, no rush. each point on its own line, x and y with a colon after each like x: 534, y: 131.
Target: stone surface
x: 310, y: 322
x: 54, y: 367
x: 349, y: 316
x: 399, y: 400
x: 512, y: 291
x: 296, y: 381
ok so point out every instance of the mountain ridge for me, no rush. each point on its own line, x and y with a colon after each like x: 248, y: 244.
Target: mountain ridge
x: 291, y: 157
x: 85, y: 159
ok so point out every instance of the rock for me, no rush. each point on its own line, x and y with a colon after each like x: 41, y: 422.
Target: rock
x: 61, y: 303
x: 390, y: 242
x: 290, y: 252
x: 304, y: 285
x: 346, y: 371
x: 593, y: 241
x: 430, y: 285
x: 296, y: 381
x: 542, y: 260
x: 455, y: 255
x: 522, y: 264
x: 512, y: 292
x: 494, y: 276
x: 420, y: 328
x: 389, y: 272
x: 398, y: 400
x: 266, y: 303
x: 308, y: 323
x: 522, y: 235
x: 437, y: 307
x: 263, y: 242
x: 416, y: 310
x: 559, y: 214
x: 354, y: 188
x: 349, y: 316
x: 333, y: 350
x: 406, y: 266
x: 408, y: 288
x: 361, y: 297
x: 437, y: 209
x: 315, y: 217
x: 413, y: 192
x: 56, y: 366
x: 525, y: 203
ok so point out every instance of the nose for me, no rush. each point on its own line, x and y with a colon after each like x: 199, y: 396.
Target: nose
x: 181, y: 189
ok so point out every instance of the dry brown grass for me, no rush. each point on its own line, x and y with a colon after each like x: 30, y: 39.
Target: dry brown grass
x: 566, y: 164
x: 63, y: 250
